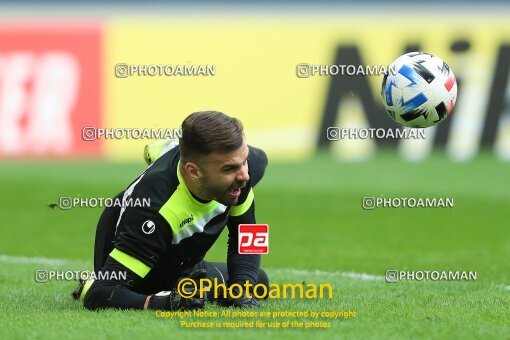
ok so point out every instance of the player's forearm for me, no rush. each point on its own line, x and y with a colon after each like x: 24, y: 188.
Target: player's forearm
x: 243, y: 267
x: 109, y: 294
x: 119, y: 294
x: 114, y: 293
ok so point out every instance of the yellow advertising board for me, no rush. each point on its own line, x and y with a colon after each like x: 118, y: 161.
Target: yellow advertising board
x: 255, y: 60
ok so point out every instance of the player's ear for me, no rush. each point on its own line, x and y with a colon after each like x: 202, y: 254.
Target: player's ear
x: 193, y: 170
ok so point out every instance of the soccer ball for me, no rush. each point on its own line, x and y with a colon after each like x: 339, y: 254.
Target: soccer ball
x: 419, y: 90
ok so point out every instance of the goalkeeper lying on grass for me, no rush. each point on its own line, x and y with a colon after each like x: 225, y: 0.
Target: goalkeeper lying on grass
x: 195, y: 190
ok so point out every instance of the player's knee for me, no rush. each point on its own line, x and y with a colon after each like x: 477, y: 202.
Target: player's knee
x: 262, y: 280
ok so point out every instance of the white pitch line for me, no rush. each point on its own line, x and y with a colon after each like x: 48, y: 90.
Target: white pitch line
x: 27, y: 260
x: 350, y: 275
x: 282, y: 271
x: 289, y: 271
x: 33, y: 260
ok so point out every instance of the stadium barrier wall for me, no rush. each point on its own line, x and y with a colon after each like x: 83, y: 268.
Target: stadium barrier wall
x: 57, y: 78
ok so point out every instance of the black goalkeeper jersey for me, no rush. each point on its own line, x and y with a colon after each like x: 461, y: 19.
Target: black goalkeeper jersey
x: 161, y: 242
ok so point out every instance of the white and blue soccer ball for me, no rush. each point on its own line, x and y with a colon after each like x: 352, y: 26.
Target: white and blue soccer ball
x: 419, y: 90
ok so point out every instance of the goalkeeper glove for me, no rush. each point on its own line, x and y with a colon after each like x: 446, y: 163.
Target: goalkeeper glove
x: 173, y: 300
x: 241, y: 302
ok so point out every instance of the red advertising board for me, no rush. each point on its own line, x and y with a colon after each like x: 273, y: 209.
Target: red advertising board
x: 50, y: 87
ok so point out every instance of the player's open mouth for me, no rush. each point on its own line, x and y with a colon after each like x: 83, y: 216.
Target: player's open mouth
x: 235, y: 192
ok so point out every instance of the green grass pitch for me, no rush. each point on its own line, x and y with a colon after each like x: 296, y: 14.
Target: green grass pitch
x: 318, y: 234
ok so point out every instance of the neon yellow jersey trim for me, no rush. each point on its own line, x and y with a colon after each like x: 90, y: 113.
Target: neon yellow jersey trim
x: 86, y: 288
x: 130, y: 262
x: 238, y: 210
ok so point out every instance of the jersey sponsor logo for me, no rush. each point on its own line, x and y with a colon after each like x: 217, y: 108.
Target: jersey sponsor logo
x: 186, y: 221
x: 253, y: 239
x: 148, y: 227
x: 198, y: 224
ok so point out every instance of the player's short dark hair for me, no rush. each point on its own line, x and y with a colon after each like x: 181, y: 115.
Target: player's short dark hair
x: 206, y: 132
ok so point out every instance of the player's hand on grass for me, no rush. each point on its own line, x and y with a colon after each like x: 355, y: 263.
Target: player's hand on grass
x: 172, y: 300
x: 182, y: 296
x: 246, y: 300
x: 189, y: 287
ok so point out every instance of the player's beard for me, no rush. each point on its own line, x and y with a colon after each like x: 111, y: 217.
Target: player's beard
x: 224, y: 195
